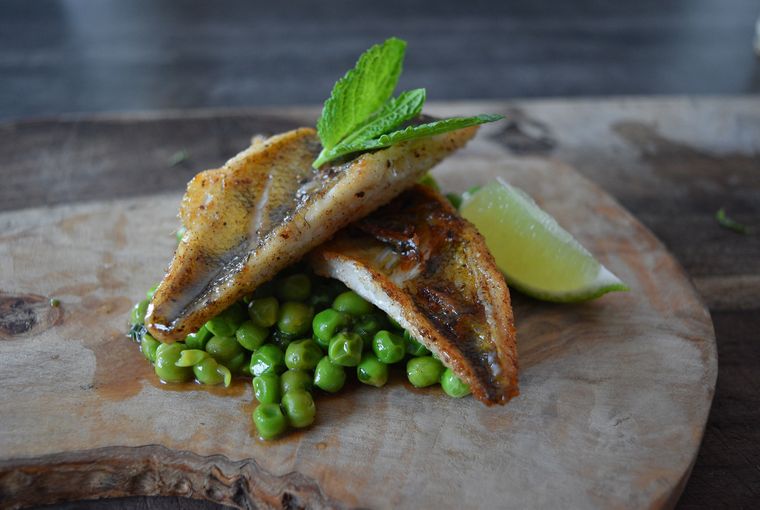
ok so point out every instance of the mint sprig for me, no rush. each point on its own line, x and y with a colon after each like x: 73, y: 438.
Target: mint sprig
x: 411, y: 133
x: 361, y: 92
x: 360, y: 114
x: 394, y: 113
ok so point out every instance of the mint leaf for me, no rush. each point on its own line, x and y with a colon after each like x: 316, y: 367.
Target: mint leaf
x: 361, y: 92
x: 395, y: 112
x: 434, y: 128
x: 414, y: 132
x: 726, y: 222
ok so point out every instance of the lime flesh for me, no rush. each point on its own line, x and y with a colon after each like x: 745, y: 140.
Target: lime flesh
x: 536, y: 255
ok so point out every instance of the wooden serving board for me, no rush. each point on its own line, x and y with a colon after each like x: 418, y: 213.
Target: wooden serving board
x: 614, y: 393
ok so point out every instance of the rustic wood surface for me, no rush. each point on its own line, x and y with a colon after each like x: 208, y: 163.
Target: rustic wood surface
x: 614, y: 393
x: 622, y: 145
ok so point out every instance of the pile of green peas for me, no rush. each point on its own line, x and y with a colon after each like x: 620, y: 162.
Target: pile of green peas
x: 293, y: 336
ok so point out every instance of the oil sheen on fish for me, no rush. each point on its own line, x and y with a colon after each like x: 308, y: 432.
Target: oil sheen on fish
x: 430, y: 270
x: 265, y: 209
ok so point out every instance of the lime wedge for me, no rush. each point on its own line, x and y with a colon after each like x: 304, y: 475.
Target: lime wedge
x: 536, y: 255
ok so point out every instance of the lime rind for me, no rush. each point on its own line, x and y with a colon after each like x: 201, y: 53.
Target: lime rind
x: 605, y: 282
x: 537, y: 256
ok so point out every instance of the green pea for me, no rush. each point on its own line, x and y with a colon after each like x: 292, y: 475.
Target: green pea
x: 453, y: 386
x: 198, y: 339
x: 388, y: 347
x: 251, y: 336
x: 269, y: 420
x: 424, y: 371
x: 263, y: 311
x: 295, y: 287
x: 190, y: 357
x: 148, y: 346
x: 295, y: 380
x: 329, y: 376
x: 180, y: 234
x: 139, y: 311
x: 237, y: 363
x: 455, y: 199
x: 345, y: 349
x: 223, y: 348
x: 269, y: 359
x: 151, y: 292
x: 353, y: 303
x: 327, y: 323
x: 236, y: 314
x: 166, y: 369
x: 266, y: 388
x: 322, y: 345
x: 367, y: 326
x: 219, y: 326
x: 299, y: 408
x: 227, y: 322
x: 294, y: 318
x: 302, y: 354
x: 210, y: 372
x: 414, y: 347
x: 372, y: 371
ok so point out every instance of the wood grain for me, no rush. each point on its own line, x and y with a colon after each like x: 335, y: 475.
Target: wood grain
x: 615, y: 393
x: 119, y: 471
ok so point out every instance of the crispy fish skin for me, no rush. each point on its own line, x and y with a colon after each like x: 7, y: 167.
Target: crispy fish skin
x: 429, y: 269
x: 265, y: 209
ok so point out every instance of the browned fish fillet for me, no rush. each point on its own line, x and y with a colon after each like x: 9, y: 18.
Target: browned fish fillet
x: 430, y: 270
x: 266, y: 208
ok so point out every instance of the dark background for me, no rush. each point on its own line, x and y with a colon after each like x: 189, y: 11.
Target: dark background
x: 61, y: 56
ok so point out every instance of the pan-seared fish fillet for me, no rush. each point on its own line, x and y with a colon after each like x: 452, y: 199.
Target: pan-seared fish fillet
x: 265, y: 209
x: 430, y: 270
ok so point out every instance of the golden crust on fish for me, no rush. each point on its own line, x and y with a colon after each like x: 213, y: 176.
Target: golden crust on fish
x: 430, y: 270
x: 265, y: 209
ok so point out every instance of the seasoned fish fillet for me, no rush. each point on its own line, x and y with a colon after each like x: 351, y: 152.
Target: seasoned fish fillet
x: 430, y: 270
x: 265, y: 209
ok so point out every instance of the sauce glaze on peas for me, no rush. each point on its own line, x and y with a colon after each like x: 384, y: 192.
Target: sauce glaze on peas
x: 296, y: 336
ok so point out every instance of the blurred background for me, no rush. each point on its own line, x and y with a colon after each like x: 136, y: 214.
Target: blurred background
x: 59, y: 56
